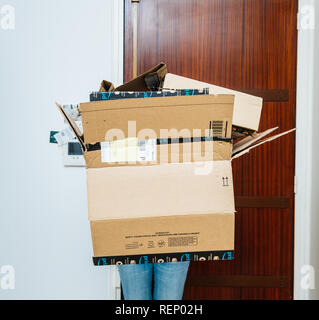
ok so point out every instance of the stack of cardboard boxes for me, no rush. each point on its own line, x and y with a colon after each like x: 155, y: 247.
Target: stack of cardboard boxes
x: 159, y: 175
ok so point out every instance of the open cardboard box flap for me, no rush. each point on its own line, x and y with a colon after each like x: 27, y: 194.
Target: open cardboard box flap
x: 251, y: 140
x: 250, y: 143
x: 73, y: 126
x: 148, y: 81
x: 247, y: 108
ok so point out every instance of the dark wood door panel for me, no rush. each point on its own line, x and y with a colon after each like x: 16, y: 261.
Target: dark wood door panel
x: 249, y: 45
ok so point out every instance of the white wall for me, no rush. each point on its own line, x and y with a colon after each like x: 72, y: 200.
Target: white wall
x: 59, y: 51
x: 307, y: 155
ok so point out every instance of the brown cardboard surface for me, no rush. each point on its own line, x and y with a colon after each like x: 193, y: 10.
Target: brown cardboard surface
x: 247, y: 108
x: 157, y: 114
x: 160, y: 190
x: 171, y: 153
x: 185, y: 233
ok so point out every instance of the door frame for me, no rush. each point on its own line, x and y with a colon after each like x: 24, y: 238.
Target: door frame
x: 305, y: 180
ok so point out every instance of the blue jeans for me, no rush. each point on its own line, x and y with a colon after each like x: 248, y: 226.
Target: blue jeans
x: 169, y: 280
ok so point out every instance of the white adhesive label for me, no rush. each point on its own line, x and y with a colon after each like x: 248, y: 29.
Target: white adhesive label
x: 147, y: 150
x: 128, y: 150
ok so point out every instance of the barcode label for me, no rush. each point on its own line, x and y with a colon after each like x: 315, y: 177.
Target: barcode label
x: 182, y: 241
x: 218, y: 128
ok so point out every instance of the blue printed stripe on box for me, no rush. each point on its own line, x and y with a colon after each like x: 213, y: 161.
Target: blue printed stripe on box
x: 164, y: 257
x: 116, y: 95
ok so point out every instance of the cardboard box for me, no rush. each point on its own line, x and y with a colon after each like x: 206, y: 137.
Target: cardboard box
x: 142, y: 209
x: 158, y: 211
x: 247, y: 108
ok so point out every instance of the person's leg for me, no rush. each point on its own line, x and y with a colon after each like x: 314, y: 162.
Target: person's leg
x: 136, y: 280
x: 169, y: 280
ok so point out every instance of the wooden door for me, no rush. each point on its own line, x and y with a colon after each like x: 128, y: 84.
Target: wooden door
x: 248, y: 45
